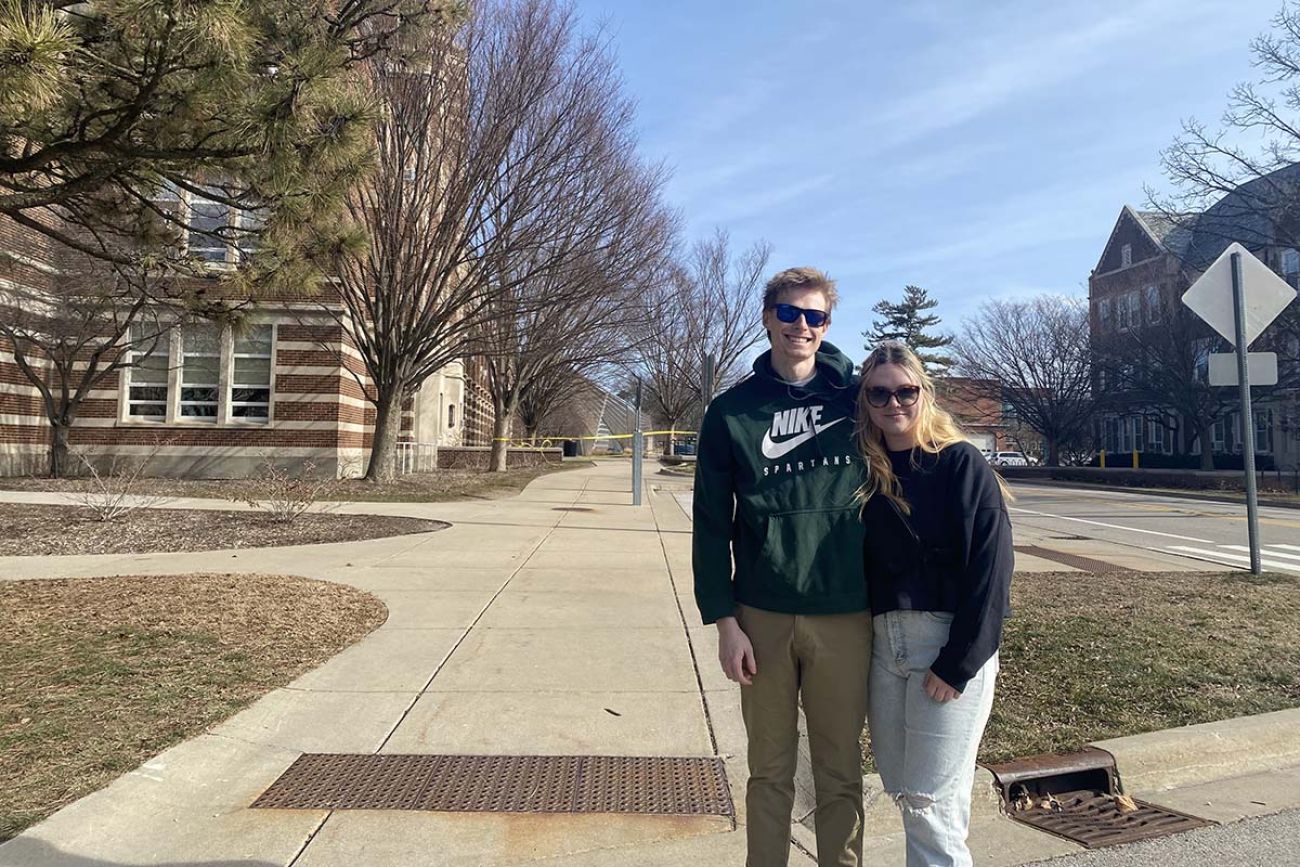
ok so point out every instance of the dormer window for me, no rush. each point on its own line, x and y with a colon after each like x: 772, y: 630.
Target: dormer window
x: 1126, y: 255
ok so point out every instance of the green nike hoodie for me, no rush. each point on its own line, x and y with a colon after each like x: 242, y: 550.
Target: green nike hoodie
x: 776, y: 524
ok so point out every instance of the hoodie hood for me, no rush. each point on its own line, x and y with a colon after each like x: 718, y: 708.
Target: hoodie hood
x: 832, y: 364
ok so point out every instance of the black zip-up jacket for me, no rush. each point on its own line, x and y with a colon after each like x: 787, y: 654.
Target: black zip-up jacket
x: 953, y: 553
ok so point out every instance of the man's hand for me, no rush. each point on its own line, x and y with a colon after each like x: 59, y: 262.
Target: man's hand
x: 735, y: 652
x: 937, y: 689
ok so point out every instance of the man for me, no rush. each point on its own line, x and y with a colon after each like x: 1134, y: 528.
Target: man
x: 775, y: 479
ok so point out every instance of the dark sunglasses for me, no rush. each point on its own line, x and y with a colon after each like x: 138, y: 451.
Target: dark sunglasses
x: 906, y: 396
x: 789, y: 313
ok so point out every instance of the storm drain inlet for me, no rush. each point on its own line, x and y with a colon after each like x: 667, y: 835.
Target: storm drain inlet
x: 503, y: 784
x: 1077, y: 796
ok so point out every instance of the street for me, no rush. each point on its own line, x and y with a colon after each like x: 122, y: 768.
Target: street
x: 1202, y: 530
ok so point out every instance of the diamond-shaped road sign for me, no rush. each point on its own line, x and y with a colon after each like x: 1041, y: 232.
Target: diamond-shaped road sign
x: 1265, y: 295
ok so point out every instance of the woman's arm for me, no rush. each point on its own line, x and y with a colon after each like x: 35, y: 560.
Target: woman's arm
x: 984, y: 538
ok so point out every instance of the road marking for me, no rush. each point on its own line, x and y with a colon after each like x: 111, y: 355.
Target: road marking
x: 1265, y: 549
x: 1241, y: 559
x: 1112, y: 526
x: 1288, y: 547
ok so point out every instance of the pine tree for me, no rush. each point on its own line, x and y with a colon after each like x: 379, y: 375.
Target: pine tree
x: 909, y: 322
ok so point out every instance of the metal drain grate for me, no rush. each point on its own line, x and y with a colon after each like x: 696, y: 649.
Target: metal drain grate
x: 1076, y: 561
x: 1074, y: 795
x: 1094, y: 820
x: 503, y: 784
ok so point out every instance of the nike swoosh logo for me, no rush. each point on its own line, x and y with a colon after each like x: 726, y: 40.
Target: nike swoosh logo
x: 772, y: 450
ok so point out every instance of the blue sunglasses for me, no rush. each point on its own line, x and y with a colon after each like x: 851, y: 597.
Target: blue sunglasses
x: 789, y: 313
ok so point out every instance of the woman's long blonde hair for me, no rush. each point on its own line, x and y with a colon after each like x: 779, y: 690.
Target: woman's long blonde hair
x: 936, y: 429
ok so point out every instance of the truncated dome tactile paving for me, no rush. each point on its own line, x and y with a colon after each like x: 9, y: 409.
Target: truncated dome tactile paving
x: 503, y: 784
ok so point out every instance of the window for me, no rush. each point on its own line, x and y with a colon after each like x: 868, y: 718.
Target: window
x: 1128, y: 312
x: 1153, y: 305
x: 451, y: 415
x: 250, y: 377
x: 1139, y: 438
x: 200, y: 372
x: 1126, y: 255
x: 1290, y: 261
x: 1218, y: 435
x: 1201, y: 364
x: 148, y: 374
x: 1103, y: 315
x: 207, y: 216
x: 1264, y: 430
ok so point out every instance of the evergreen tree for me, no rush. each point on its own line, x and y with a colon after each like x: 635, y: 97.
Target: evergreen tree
x: 908, y: 321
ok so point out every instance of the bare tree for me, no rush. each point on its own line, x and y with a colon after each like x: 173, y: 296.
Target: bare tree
x: 483, y: 145
x: 69, y: 335
x: 1039, y: 350
x: 707, y: 306
x: 721, y: 295
x: 579, y: 310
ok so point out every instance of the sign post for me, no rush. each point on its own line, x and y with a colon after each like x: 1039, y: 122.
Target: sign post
x: 1238, y: 296
x: 1247, y: 415
x: 636, y: 447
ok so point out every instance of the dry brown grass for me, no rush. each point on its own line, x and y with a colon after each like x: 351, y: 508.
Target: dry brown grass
x: 29, y: 530
x: 1088, y: 657
x: 99, y: 674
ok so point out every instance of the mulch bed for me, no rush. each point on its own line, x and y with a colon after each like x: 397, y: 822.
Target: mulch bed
x: 99, y: 674
x: 29, y: 529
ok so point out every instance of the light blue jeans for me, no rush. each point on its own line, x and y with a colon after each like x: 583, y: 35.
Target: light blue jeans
x: 924, y: 749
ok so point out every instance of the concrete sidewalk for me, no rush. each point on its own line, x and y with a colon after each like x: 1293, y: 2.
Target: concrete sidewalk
x: 559, y: 622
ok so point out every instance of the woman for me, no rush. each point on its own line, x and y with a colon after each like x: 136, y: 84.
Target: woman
x: 938, y: 567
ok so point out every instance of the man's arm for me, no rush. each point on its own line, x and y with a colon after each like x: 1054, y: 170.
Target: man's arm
x: 713, y: 511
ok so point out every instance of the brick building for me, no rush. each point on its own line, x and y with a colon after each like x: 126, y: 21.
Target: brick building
x: 1138, y: 324
x: 284, y: 382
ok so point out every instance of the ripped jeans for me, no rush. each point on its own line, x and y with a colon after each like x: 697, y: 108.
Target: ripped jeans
x: 924, y: 749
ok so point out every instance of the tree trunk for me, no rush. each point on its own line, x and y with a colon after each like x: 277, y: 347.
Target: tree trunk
x: 1053, y: 453
x: 59, y: 446
x: 500, y: 440
x: 383, y: 446
x: 1207, y: 447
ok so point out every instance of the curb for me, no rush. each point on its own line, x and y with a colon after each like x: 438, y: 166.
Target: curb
x: 1207, y: 751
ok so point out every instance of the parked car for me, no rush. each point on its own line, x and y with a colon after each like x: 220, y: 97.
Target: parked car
x: 1009, y: 459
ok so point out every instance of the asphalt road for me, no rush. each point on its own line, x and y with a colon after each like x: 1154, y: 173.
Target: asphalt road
x: 1271, y: 840
x: 1199, y: 529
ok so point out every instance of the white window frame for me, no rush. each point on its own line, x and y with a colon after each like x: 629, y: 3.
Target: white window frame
x: 1103, y: 315
x: 224, y: 417
x: 1126, y: 255
x: 228, y: 393
x: 131, y: 372
x: 216, y: 386
x: 235, y: 251
x: 1264, y: 431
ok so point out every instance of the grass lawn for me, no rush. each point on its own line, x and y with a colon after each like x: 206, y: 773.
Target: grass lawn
x: 99, y: 674
x: 442, y: 486
x: 1088, y: 657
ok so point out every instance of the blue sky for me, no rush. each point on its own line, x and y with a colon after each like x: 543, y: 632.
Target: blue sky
x: 978, y: 149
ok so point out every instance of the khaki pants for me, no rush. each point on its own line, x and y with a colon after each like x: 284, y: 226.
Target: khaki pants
x: 825, y: 660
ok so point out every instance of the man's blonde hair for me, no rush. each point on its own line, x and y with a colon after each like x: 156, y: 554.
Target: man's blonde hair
x: 800, y: 278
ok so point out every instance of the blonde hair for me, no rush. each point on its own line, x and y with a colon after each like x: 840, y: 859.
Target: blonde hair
x: 936, y: 429
x: 800, y: 278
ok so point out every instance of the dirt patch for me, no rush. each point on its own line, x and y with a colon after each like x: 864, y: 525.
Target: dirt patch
x: 442, y: 486
x: 29, y: 530
x: 99, y: 674
x: 1087, y: 657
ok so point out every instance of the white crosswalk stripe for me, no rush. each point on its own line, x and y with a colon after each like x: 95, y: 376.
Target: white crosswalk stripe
x: 1230, y: 559
x: 1265, y: 549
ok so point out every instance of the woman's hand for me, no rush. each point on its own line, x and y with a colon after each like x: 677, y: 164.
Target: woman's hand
x: 935, y: 687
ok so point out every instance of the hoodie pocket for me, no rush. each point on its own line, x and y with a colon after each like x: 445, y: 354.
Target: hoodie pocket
x: 812, y: 554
